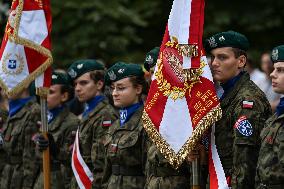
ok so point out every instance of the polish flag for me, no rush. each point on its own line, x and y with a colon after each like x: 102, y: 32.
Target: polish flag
x: 182, y: 103
x: 25, y: 53
x: 83, y: 174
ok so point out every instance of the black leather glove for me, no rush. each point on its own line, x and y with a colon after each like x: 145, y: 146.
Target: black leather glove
x: 42, y: 144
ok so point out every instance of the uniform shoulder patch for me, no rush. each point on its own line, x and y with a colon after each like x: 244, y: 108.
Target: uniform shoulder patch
x: 107, y: 123
x: 243, y: 126
x: 247, y: 104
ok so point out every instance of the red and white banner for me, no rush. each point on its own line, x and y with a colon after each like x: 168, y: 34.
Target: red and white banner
x: 25, y: 51
x: 216, y: 172
x: 182, y: 103
x: 83, y: 174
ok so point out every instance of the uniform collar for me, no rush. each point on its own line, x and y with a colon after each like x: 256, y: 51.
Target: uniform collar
x: 234, y: 91
x: 280, y: 107
x: 126, y: 113
x: 230, y: 84
x: 17, y: 105
x: 91, y: 104
x: 53, y: 113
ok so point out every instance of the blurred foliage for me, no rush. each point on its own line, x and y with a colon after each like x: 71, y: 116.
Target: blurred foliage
x: 126, y: 30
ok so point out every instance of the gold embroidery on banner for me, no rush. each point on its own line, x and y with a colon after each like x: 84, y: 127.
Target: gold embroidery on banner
x: 152, y: 102
x: 176, y: 159
x: 40, y: 4
x: 20, y: 66
x: 13, y: 37
x: 183, y: 49
x: 190, y: 76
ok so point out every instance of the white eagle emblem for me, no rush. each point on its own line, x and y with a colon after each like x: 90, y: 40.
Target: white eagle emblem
x: 111, y: 75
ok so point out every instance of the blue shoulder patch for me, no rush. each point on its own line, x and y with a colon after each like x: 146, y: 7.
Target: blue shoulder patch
x: 243, y: 126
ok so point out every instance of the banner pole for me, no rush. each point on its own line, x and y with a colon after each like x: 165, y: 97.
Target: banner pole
x: 42, y: 92
x: 195, y: 174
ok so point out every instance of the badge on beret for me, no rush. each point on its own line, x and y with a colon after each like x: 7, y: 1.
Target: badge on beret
x: 54, y: 76
x: 80, y: 66
x: 222, y: 38
x: 72, y: 73
x: 111, y: 75
x: 274, y: 54
x: 149, y: 59
x: 212, y: 42
x: 121, y: 70
x: 243, y: 126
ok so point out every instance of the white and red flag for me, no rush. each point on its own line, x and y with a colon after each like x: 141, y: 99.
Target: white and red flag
x: 25, y: 53
x: 83, y: 174
x: 182, y: 103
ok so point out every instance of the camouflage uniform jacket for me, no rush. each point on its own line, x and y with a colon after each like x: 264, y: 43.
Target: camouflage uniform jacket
x: 92, y: 132
x: 3, y: 118
x: 61, y: 129
x: 126, y: 154
x: 237, y: 133
x: 21, y: 169
x: 161, y: 175
x: 270, y: 167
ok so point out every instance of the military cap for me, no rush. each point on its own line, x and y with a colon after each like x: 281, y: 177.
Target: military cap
x: 59, y: 78
x: 227, y: 39
x: 81, y: 67
x: 121, y: 70
x: 151, y: 58
x: 277, y: 54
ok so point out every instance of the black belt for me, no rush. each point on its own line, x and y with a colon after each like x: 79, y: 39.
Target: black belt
x: 127, y: 171
x: 167, y: 171
x: 271, y: 186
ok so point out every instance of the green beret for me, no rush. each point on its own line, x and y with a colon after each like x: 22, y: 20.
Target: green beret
x: 121, y: 70
x: 151, y: 58
x: 59, y: 78
x: 81, y: 67
x: 227, y: 39
x: 277, y: 54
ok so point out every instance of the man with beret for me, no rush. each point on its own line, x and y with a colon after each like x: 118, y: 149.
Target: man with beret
x: 61, y: 123
x: 98, y: 116
x: 244, y: 106
x: 270, y: 166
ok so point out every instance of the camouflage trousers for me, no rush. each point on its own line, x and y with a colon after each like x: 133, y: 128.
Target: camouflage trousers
x: 56, y: 180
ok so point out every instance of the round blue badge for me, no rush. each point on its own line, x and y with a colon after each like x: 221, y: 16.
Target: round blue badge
x: 244, y: 127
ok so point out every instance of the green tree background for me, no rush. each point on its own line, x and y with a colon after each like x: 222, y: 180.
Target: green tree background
x: 126, y: 30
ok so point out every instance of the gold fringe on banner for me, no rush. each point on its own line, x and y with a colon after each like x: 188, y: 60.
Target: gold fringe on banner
x: 13, y: 37
x: 176, y: 159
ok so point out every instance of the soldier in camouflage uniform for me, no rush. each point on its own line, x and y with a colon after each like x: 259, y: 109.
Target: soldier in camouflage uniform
x: 21, y: 169
x: 245, y: 109
x: 61, y: 125
x: 3, y: 118
x: 160, y: 173
x: 88, y: 77
x: 126, y: 142
x: 270, y: 166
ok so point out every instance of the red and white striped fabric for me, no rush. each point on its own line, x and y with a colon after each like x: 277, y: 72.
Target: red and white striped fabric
x: 182, y: 103
x: 25, y: 51
x: 216, y: 172
x: 83, y: 174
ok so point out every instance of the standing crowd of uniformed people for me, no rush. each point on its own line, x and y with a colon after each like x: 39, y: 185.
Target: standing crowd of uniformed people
x: 113, y: 142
